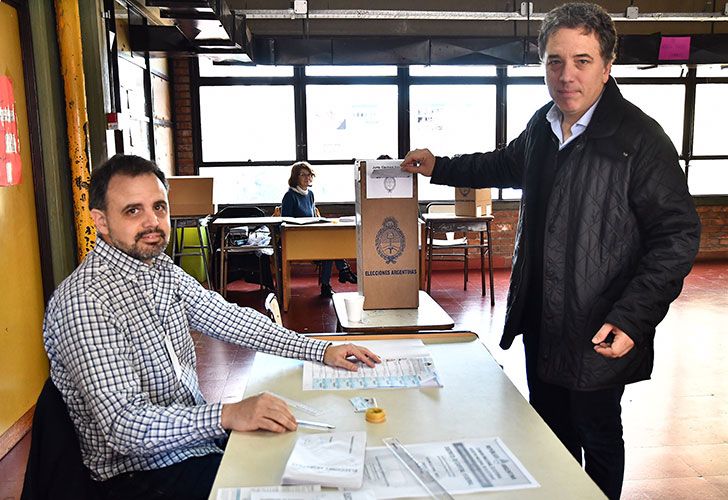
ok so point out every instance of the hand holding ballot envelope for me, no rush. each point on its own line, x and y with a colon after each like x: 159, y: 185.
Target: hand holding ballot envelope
x: 268, y: 412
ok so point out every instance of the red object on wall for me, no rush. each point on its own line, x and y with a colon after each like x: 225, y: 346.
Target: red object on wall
x: 10, y: 165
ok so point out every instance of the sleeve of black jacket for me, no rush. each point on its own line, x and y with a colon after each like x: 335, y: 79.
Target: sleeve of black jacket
x: 670, y: 232
x: 501, y: 168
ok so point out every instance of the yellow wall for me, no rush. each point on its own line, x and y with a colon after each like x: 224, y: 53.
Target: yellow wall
x: 23, y: 363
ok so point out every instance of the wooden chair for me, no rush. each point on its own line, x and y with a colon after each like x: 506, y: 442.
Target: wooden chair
x: 273, y: 309
x: 277, y: 211
x: 447, y: 247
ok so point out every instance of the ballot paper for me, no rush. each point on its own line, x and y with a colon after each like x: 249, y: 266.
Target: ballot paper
x: 405, y: 363
x: 283, y: 491
x: 386, y: 179
x: 333, y: 459
x: 462, y: 466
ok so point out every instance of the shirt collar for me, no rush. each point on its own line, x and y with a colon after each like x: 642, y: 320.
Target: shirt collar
x: 554, y: 117
x: 124, y: 263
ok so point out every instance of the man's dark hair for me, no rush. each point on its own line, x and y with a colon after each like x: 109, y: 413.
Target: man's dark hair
x: 129, y: 165
x: 586, y: 16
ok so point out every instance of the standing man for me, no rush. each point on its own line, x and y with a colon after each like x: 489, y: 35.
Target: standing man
x: 607, y: 232
x: 117, y: 333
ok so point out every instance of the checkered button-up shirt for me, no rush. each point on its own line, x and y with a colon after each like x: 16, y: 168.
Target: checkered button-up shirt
x: 106, y: 332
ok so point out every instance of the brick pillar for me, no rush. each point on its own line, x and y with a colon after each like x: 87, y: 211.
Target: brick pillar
x: 714, y: 234
x: 182, y: 115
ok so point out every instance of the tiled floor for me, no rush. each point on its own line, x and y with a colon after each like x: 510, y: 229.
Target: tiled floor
x: 676, y: 425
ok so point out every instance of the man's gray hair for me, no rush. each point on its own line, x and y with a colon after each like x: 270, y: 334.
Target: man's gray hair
x: 586, y: 16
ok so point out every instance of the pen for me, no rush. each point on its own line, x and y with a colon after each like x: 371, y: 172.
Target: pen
x: 315, y: 425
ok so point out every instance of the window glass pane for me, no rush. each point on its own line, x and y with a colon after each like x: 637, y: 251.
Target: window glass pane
x: 652, y: 99
x: 532, y: 70
x: 708, y: 177
x: 713, y: 70
x: 247, y: 123
x: 207, y: 68
x: 449, y: 120
x: 135, y: 122
x: 509, y: 194
x: 452, y: 70
x: 668, y: 70
x: 711, y: 119
x: 452, y: 119
x: 434, y: 192
x: 351, y: 121
x: 333, y: 183
x: 268, y: 184
x: 237, y: 185
x: 523, y: 101
x: 351, y: 70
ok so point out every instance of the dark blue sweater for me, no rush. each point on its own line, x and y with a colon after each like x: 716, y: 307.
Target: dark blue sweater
x: 298, y: 205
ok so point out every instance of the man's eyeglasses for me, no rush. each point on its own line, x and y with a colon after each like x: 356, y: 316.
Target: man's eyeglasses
x: 305, y: 175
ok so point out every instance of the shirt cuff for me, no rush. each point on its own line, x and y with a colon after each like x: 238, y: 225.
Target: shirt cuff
x: 213, y: 412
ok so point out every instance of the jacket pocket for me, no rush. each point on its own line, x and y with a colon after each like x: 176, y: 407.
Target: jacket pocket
x: 598, y: 371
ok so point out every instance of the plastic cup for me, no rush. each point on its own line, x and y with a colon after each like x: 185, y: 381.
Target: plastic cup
x: 354, y: 307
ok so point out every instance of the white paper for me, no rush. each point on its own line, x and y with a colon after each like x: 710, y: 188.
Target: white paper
x: 333, y: 459
x: 463, y: 466
x: 323, y: 495
x: 386, y: 179
x: 247, y: 493
x: 404, y: 364
x: 301, y: 221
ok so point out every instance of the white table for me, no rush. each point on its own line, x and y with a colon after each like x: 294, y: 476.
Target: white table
x: 428, y: 316
x: 476, y: 401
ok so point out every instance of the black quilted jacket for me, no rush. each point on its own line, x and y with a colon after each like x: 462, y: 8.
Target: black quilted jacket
x: 621, y: 235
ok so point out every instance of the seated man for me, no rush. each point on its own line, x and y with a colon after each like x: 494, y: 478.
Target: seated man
x: 117, y: 333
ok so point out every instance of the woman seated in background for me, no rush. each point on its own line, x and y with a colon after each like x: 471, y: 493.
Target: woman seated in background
x: 299, y: 202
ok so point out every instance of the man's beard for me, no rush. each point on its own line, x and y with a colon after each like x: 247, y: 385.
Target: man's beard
x: 143, y: 252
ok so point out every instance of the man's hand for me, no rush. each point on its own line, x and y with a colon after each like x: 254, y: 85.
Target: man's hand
x: 620, y: 345
x: 419, y: 161
x: 263, y: 411
x: 336, y: 355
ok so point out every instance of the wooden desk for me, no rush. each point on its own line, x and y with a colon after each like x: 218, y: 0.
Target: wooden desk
x: 224, y: 225
x: 477, y: 400
x: 428, y: 316
x: 441, y: 223
x: 326, y: 241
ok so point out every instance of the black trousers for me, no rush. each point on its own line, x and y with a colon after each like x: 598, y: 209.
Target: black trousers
x: 588, y: 421
x: 188, y: 480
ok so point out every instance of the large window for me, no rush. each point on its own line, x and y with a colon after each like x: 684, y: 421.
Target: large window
x: 247, y: 123
x: 652, y: 99
x: 708, y: 177
x: 450, y: 120
x: 522, y: 103
x: 711, y: 120
x: 249, y: 184
x: 255, y: 121
x: 351, y: 121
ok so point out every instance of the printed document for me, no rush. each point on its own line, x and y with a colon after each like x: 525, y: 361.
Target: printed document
x: 323, y: 495
x: 247, y: 493
x: 463, y: 466
x: 333, y: 459
x: 386, y: 179
x: 405, y: 363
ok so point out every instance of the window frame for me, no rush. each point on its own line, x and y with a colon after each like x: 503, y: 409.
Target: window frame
x: 404, y: 81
